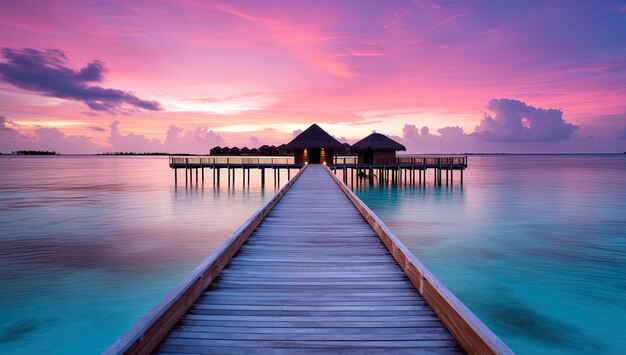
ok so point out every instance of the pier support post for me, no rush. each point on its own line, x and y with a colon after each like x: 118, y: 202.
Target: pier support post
x: 203, y: 174
x: 218, y: 176
x: 175, y: 176
x: 288, y: 174
x: 262, y: 176
x: 461, y: 176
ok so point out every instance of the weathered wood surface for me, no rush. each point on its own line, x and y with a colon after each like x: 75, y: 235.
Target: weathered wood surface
x: 313, y: 277
x: 471, y: 333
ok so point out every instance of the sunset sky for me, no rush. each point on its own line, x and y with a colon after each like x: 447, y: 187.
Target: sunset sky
x: 439, y: 76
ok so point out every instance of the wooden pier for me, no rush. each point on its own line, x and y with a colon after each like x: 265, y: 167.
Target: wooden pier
x: 407, y: 169
x: 313, y: 270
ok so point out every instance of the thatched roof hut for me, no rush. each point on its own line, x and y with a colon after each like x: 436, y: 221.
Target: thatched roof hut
x: 217, y: 150
x: 314, y: 137
x: 314, y: 146
x: 377, y: 149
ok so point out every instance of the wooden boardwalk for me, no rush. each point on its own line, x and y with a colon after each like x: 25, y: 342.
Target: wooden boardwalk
x: 313, y: 276
x: 313, y: 270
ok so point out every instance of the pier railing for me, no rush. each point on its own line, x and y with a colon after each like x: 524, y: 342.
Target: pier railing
x: 339, y: 160
x: 407, y: 160
x: 229, y: 160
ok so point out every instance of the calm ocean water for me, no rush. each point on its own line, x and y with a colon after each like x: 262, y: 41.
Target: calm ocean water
x: 534, y: 245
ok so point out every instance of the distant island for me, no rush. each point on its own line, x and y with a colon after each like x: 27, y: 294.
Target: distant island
x: 34, y: 152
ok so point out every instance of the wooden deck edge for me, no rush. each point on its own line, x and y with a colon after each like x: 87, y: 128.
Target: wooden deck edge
x: 147, y: 333
x: 473, y: 335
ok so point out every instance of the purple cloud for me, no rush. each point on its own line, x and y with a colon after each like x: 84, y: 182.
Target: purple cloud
x: 621, y: 133
x: 96, y: 129
x: 4, y: 126
x: 514, y: 121
x: 46, y: 72
x: 199, y: 140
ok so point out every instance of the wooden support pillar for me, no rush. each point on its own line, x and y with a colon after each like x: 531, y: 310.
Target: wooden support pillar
x: 447, y: 176
x: 451, y: 176
x: 462, y: 176
x: 196, y: 176
x: 248, y: 176
x: 262, y: 176
x: 288, y: 174
x: 175, y: 176
x: 352, y: 176
x: 203, y: 174
x: 218, y: 176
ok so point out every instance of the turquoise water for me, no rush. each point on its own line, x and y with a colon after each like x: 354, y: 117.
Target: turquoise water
x: 534, y: 245
x: 90, y: 244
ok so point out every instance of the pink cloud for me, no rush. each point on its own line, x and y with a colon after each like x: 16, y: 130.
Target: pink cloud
x: 326, y: 61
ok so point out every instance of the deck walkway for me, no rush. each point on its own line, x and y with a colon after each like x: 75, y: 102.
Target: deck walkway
x: 313, y: 277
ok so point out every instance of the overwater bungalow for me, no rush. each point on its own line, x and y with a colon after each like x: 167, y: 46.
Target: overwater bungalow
x: 235, y: 151
x: 314, y: 146
x: 216, y: 150
x: 376, y: 149
x: 245, y: 151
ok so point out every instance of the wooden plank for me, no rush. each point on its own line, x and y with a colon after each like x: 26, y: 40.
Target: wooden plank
x: 177, y: 349
x: 330, y: 344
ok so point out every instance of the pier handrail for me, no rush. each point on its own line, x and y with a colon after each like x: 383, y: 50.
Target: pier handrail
x: 408, y: 160
x: 229, y: 160
x: 148, y: 332
x: 469, y: 331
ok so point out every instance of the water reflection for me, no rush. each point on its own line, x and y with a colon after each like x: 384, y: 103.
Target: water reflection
x: 89, y: 244
x: 534, y: 245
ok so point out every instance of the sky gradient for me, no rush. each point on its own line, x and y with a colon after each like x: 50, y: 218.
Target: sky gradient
x: 439, y: 76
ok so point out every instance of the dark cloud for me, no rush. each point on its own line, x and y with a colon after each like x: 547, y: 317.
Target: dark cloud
x: 46, y: 72
x: 96, y: 129
x: 514, y: 121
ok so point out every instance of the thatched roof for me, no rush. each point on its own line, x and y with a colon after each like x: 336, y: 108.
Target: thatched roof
x: 314, y: 137
x: 377, y: 141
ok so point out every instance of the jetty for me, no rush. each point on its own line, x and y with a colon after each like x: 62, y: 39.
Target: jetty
x: 313, y: 270
x: 409, y: 169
